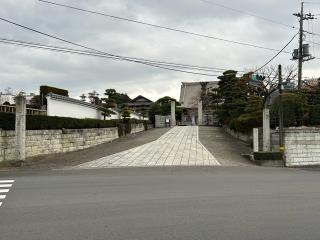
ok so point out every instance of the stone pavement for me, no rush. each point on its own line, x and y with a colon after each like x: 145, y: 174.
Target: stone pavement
x: 226, y: 149
x: 178, y: 147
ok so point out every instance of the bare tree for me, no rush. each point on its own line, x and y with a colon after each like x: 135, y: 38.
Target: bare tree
x: 270, y: 83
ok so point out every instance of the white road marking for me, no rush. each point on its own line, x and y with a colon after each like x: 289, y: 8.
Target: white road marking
x: 6, y: 181
x: 5, y: 186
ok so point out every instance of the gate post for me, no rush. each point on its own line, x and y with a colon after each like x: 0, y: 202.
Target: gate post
x: 20, y: 129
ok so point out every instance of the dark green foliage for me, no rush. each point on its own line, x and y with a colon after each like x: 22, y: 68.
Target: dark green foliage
x: 232, y: 97
x: 163, y: 107
x: 314, y: 116
x: 45, y: 122
x: 125, y: 113
x: 246, y: 122
x: 7, y: 121
x: 294, y: 108
x: 38, y: 122
x: 252, y: 117
x: 113, y: 97
x: 237, y: 106
x: 45, y: 90
x: 268, y: 156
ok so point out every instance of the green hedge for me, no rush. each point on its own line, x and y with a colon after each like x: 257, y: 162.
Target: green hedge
x: 38, y: 122
x: 314, y: 117
x: 7, y: 121
x: 268, y: 156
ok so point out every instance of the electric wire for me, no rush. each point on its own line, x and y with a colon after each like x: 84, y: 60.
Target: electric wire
x: 249, y: 14
x: 275, y: 56
x: 159, y: 26
x: 171, y: 64
x: 94, y: 54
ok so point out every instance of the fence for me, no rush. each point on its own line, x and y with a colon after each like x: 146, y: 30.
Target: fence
x: 30, y: 111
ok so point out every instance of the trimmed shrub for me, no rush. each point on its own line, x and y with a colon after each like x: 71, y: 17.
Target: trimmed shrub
x: 314, y: 115
x: 268, y: 156
x: 246, y: 122
x: 38, y: 122
x: 7, y: 121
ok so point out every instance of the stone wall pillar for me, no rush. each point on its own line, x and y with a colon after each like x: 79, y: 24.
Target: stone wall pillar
x: 266, y: 130
x: 200, y: 113
x: 173, y: 114
x: 255, y: 140
x: 20, y: 129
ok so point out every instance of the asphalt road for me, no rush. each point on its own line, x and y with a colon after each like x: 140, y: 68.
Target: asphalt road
x: 162, y: 203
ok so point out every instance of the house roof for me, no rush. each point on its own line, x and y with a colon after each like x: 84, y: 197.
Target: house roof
x: 139, y: 98
x: 190, y: 93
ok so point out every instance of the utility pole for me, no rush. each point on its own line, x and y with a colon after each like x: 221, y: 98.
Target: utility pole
x: 302, y: 53
x: 281, y: 130
x: 301, y: 19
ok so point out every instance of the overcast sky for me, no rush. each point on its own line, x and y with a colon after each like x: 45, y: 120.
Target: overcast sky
x: 26, y: 69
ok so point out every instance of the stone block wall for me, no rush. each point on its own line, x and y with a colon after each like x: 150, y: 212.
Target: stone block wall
x: 160, y: 121
x: 302, y: 146
x: 241, y: 136
x: 41, y: 142
x: 135, y: 128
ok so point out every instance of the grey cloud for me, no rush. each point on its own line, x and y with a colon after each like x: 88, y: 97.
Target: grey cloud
x: 26, y: 69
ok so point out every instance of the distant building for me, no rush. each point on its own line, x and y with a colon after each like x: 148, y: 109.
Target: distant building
x: 6, y: 99
x: 190, y: 96
x: 9, y: 98
x: 140, y: 104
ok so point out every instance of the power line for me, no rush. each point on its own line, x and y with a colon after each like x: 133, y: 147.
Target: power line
x: 249, y: 14
x: 161, y: 27
x: 162, y: 63
x: 95, y: 54
x: 172, y: 64
x: 277, y: 53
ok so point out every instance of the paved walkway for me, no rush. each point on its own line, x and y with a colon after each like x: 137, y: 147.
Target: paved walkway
x: 226, y: 149
x: 178, y: 147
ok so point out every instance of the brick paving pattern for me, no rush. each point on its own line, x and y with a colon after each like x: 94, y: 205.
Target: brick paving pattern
x: 178, y: 147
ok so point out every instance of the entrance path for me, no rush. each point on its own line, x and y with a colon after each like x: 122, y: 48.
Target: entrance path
x: 225, y: 148
x: 71, y: 159
x: 178, y: 147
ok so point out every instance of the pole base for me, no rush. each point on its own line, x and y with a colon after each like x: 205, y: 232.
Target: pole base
x: 20, y: 163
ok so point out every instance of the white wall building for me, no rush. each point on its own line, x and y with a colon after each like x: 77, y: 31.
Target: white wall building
x: 62, y: 106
